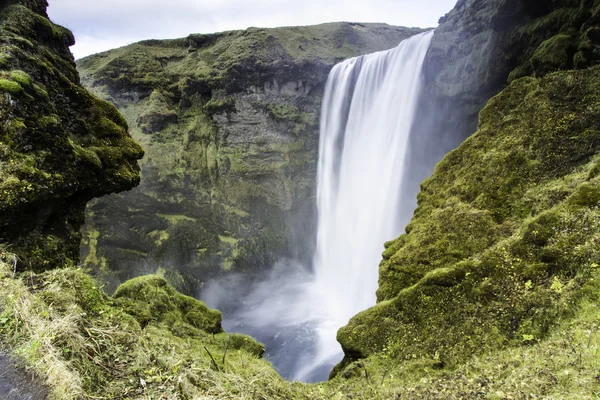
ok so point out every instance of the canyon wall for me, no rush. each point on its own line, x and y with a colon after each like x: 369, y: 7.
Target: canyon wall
x: 229, y: 123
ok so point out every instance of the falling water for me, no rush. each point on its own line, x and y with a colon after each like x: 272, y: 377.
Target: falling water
x: 367, y: 114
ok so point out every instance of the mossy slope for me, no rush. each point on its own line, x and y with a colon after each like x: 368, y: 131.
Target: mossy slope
x: 147, y: 342
x: 481, y: 45
x: 229, y: 122
x: 87, y: 345
x: 60, y: 146
x: 504, y: 243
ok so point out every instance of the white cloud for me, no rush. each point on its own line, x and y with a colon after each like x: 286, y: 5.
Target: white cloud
x: 104, y: 24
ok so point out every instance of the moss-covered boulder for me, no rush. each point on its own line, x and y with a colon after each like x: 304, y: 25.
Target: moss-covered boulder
x: 60, y: 146
x: 229, y: 122
x: 505, y: 241
x: 152, y: 299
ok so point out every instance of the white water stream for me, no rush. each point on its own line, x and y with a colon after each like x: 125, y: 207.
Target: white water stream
x: 367, y: 115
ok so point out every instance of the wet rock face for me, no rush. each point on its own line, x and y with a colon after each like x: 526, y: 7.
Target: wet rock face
x: 60, y: 146
x: 229, y: 123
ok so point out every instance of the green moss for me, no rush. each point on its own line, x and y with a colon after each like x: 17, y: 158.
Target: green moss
x: 21, y: 77
x: 229, y: 240
x: 219, y: 105
x: 553, y: 54
x: 10, y: 86
x: 152, y: 299
x: 5, y: 59
x: 175, y: 219
x: 63, y: 145
x: 87, y: 156
x: 157, y: 113
x: 159, y: 236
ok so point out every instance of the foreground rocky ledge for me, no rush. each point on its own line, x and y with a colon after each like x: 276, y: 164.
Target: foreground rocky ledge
x: 60, y: 146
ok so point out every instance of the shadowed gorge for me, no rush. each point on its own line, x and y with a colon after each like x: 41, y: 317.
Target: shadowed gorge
x: 487, y: 130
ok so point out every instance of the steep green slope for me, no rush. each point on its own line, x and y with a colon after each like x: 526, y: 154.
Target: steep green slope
x: 505, y: 242
x: 229, y: 122
x: 60, y: 146
x: 481, y: 45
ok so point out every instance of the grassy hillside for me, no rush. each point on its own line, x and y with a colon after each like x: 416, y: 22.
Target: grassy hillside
x: 504, y: 244
x: 84, y: 344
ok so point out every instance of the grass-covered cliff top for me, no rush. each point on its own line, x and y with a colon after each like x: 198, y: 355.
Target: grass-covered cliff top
x: 231, y: 59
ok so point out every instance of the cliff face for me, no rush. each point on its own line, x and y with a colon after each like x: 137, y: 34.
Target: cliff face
x: 229, y: 123
x: 479, y: 47
x: 504, y: 243
x: 60, y: 146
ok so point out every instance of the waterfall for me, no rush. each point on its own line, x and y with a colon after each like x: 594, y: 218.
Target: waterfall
x: 367, y: 115
x: 366, y: 119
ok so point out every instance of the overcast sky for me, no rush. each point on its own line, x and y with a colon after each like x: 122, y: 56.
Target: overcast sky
x: 101, y: 25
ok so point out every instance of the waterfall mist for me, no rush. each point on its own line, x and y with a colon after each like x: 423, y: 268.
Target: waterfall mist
x: 367, y: 115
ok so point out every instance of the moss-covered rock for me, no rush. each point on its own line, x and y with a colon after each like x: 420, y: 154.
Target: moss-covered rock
x: 60, y: 146
x: 229, y: 123
x: 481, y: 45
x: 87, y: 344
x: 152, y: 299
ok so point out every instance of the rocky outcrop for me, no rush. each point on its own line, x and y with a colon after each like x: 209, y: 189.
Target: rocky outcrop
x: 60, y: 146
x: 229, y: 122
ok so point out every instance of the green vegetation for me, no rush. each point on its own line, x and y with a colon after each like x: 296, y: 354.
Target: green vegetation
x: 87, y: 345
x: 492, y: 292
x: 560, y: 39
x: 151, y: 299
x: 229, y: 124
x: 84, y: 343
x: 10, y: 86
